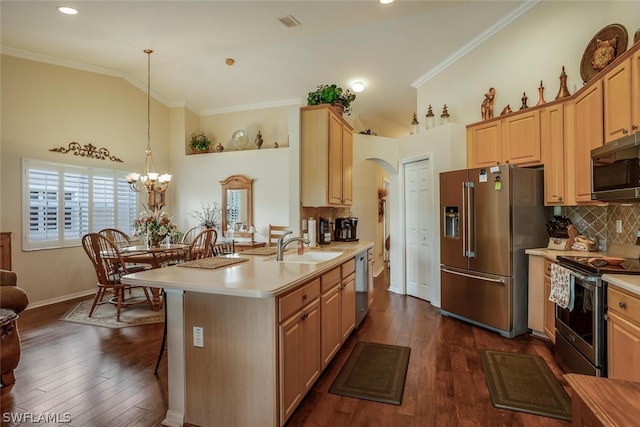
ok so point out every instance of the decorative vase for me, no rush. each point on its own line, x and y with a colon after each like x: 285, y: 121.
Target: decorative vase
x: 259, y: 140
x: 563, y: 92
x: 541, y: 94
x: 524, y: 101
x: 219, y: 148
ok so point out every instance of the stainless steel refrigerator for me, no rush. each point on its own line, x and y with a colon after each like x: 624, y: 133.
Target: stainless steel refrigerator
x: 489, y: 216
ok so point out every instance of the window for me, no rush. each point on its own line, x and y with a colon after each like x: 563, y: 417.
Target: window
x: 61, y: 203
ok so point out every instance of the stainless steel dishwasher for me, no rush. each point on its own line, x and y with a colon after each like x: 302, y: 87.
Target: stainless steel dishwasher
x: 362, y: 286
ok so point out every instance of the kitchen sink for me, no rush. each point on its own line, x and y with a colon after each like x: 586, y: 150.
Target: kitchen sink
x: 310, y: 257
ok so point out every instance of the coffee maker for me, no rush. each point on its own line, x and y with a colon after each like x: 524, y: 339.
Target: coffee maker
x: 324, y: 231
x: 345, y: 230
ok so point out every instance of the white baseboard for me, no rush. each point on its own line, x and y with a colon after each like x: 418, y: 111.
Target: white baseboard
x: 61, y: 299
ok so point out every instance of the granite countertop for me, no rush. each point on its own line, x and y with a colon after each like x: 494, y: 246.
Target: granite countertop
x: 259, y: 277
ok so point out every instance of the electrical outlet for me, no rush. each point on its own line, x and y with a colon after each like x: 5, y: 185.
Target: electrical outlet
x: 618, y: 226
x: 198, y: 336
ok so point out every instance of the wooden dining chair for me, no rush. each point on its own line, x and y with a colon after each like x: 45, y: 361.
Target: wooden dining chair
x: 275, y: 232
x: 200, y: 247
x: 190, y: 234
x: 224, y: 248
x: 110, y: 267
x: 119, y: 237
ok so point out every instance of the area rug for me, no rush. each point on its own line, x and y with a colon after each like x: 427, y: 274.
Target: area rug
x: 374, y: 372
x: 524, y: 383
x: 105, y: 314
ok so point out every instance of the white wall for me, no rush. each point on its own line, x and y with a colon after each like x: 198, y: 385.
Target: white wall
x: 532, y: 48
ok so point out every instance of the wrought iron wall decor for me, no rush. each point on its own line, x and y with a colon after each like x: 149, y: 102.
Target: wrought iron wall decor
x: 88, y: 150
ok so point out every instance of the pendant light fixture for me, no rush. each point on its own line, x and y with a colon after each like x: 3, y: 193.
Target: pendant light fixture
x: 152, y: 181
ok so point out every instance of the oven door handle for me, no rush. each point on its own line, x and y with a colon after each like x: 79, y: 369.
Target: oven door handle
x: 585, y: 281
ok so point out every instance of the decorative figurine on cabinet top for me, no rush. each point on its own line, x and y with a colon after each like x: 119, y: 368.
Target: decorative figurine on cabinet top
x: 541, y: 94
x: 506, y: 110
x: 563, y: 92
x: 259, y: 140
x: 524, y: 101
x: 487, y: 105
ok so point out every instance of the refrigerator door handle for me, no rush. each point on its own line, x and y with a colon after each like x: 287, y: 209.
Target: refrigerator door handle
x: 458, y: 273
x: 463, y: 223
x: 470, y: 250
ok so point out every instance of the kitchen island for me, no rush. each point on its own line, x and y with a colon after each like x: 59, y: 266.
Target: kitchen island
x: 260, y: 342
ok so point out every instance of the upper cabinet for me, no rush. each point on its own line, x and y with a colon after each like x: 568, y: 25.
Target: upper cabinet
x: 326, y: 158
x: 561, y: 134
x: 514, y: 139
x: 552, y: 119
x: 587, y: 135
x: 621, y: 99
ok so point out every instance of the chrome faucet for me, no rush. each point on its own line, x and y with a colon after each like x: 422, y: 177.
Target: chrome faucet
x: 283, y: 244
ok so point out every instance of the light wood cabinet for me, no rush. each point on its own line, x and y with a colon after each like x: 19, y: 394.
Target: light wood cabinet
x: 326, y: 158
x: 549, y: 306
x: 299, y: 346
x: 521, y: 138
x: 541, y: 315
x: 484, y: 144
x: 621, y: 99
x: 623, y: 335
x: 514, y: 139
x: 587, y: 135
x: 338, y: 314
x: 552, y: 128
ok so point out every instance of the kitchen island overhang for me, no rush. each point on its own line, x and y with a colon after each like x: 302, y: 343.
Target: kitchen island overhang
x: 234, y: 379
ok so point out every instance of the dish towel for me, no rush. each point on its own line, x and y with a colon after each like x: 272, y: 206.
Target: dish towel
x: 562, y: 284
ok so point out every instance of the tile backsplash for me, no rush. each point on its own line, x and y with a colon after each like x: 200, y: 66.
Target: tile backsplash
x: 600, y: 222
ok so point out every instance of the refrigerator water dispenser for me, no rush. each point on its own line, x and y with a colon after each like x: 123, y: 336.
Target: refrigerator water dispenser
x: 451, y: 222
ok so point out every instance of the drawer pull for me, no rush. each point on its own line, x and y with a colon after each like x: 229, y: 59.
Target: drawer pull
x: 622, y: 305
x: 304, y: 316
x: 304, y: 297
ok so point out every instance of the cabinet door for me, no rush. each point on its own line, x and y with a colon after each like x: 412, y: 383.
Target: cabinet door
x: 521, y: 138
x: 623, y: 349
x: 617, y: 101
x: 347, y: 166
x: 348, y: 304
x: 549, y: 311
x: 587, y: 135
x: 484, y: 144
x: 635, y: 94
x: 330, y: 320
x: 310, y: 346
x: 335, y: 161
x: 536, y: 294
x: 290, y: 390
x: 552, y: 145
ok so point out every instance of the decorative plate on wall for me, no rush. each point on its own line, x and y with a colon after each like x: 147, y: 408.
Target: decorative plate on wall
x: 609, y: 43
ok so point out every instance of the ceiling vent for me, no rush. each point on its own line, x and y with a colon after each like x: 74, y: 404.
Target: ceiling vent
x: 290, y: 21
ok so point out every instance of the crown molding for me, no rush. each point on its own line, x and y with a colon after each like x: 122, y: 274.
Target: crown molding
x: 38, y: 57
x: 515, y: 14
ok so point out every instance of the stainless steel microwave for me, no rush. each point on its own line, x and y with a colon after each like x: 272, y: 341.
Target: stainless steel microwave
x: 615, y: 170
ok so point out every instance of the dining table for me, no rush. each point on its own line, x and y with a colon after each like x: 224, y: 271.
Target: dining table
x: 155, y: 257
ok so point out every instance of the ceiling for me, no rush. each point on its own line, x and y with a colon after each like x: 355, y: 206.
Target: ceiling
x: 391, y: 48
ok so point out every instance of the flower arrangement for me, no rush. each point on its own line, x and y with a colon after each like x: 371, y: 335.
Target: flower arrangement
x: 209, y: 216
x: 154, y: 226
x: 199, y: 142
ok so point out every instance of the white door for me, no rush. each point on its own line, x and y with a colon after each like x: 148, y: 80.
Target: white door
x: 419, y: 238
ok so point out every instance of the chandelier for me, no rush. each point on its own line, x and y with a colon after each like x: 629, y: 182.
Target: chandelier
x: 152, y: 181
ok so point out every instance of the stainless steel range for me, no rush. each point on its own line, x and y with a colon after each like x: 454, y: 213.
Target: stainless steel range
x: 581, y: 333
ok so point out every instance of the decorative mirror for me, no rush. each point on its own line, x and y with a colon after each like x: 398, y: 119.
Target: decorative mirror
x: 237, y: 204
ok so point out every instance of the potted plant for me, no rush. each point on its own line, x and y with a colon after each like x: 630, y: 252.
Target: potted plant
x: 332, y: 94
x: 199, y: 142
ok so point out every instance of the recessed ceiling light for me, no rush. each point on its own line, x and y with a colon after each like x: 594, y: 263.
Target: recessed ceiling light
x: 386, y: 1
x: 357, y: 87
x: 67, y: 10
x: 229, y: 61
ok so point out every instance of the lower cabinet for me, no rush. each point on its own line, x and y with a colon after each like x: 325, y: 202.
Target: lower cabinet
x: 549, y: 306
x: 299, y: 356
x: 623, y: 335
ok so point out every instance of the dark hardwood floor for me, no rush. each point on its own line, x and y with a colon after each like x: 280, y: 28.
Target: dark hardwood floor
x: 104, y: 377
